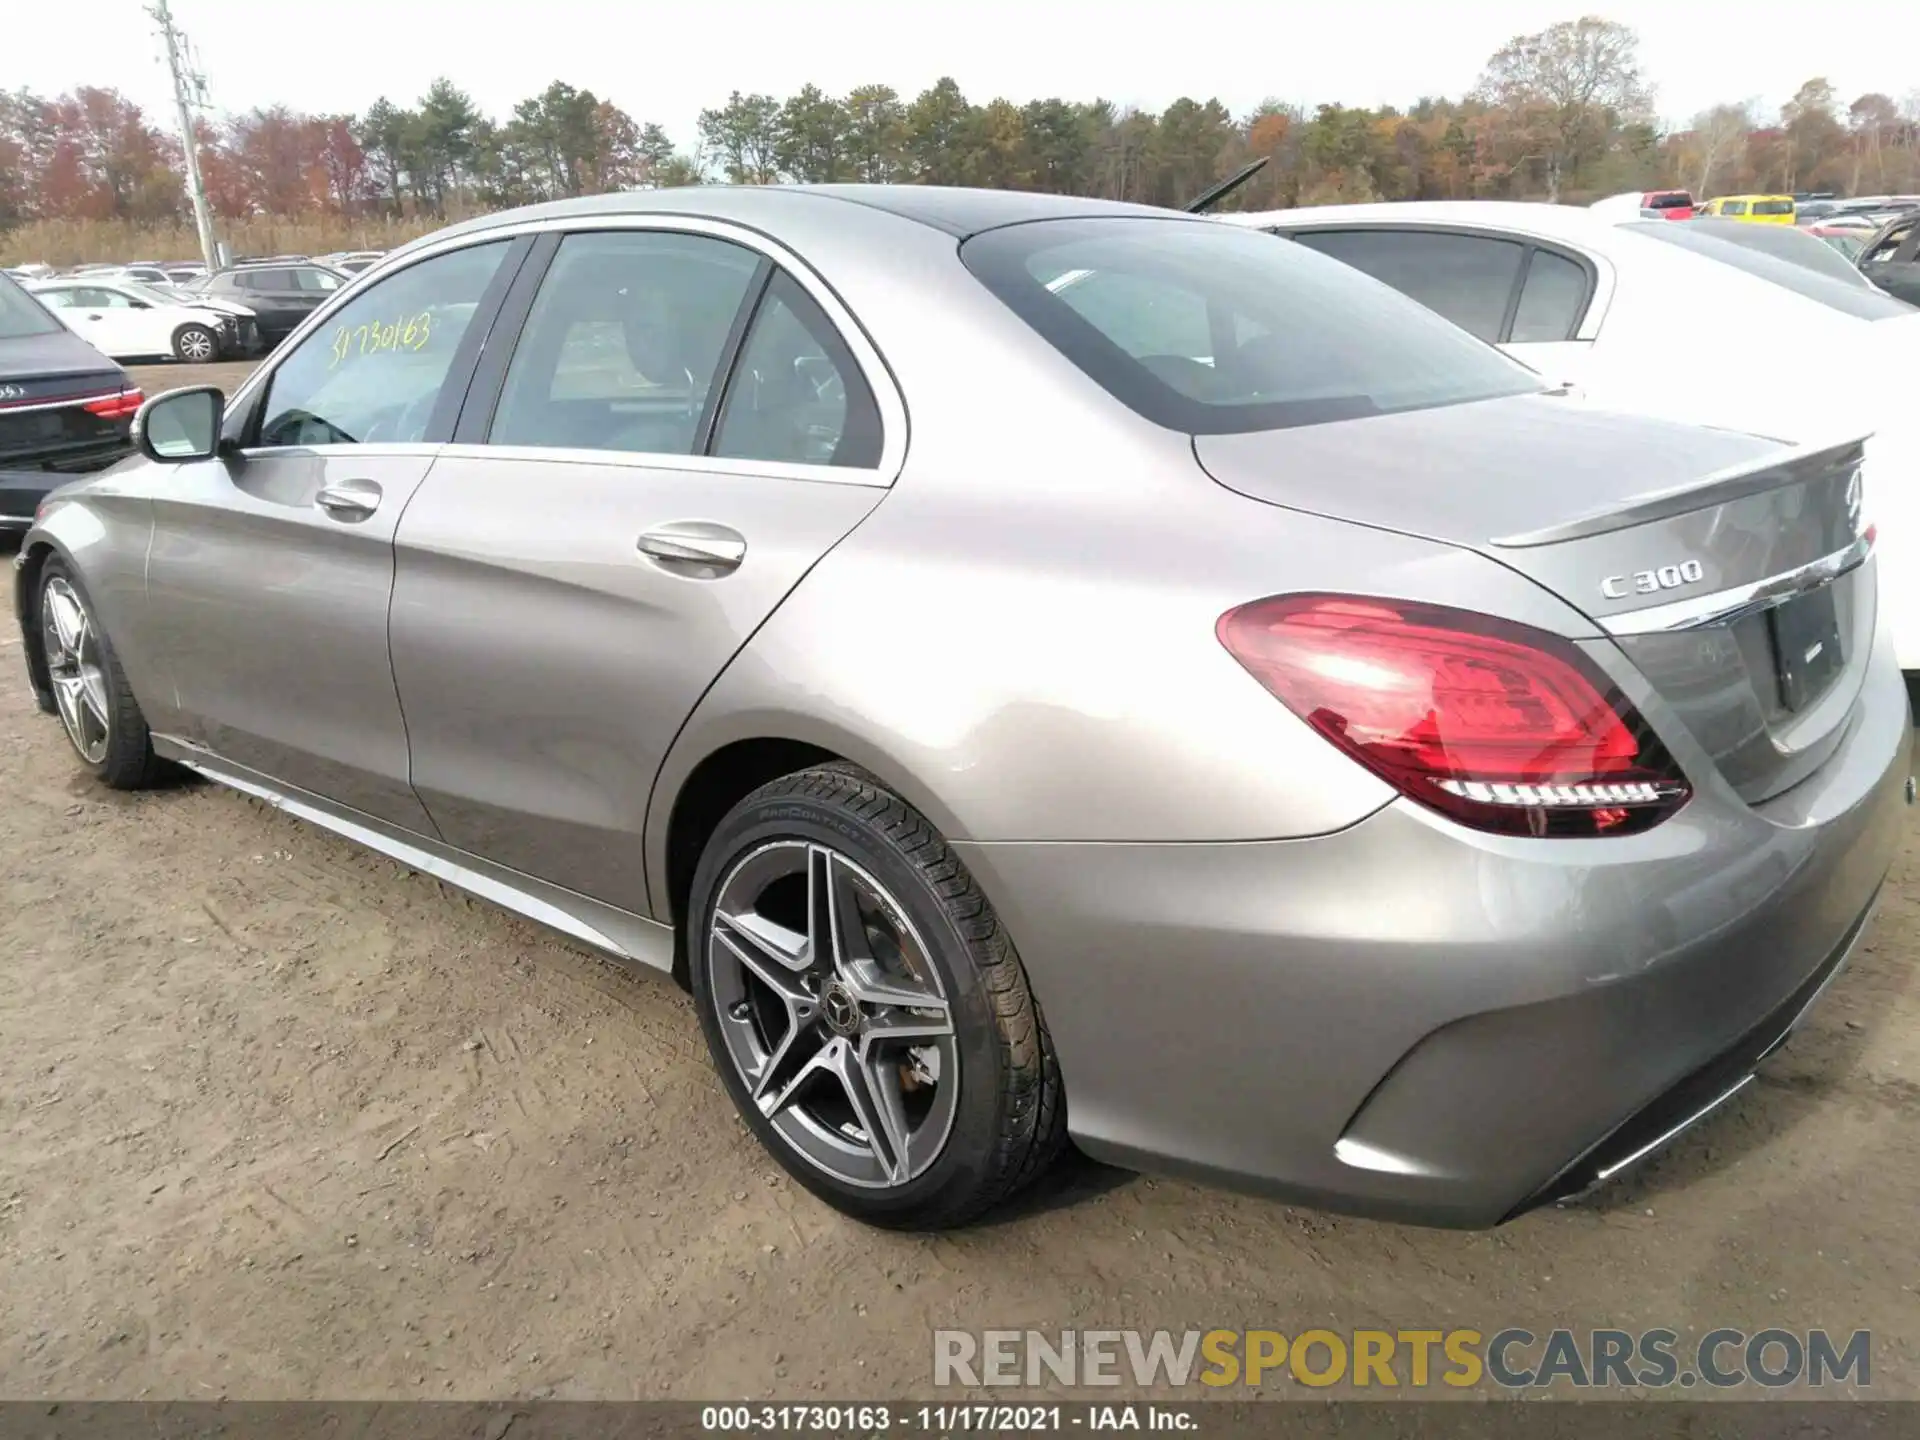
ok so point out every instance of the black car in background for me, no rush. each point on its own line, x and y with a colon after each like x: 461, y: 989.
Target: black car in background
x: 65, y: 409
x: 1891, y: 257
x: 280, y: 294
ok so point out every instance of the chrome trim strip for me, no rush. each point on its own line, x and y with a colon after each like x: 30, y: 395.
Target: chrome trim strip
x: 886, y: 393
x: 1726, y: 605
x: 681, y: 464
x: 1686, y: 1124
x: 87, y: 399
x: 592, y: 922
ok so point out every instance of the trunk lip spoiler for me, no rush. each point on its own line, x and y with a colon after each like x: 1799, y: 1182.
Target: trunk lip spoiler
x: 1744, y: 600
x: 1751, y: 477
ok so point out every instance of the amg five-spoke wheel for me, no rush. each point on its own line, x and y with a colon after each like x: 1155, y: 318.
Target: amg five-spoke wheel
x: 832, y: 1014
x: 867, y: 1013
x: 89, y: 692
x: 73, y: 665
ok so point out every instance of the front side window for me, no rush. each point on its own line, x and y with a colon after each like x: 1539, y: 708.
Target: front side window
x: 1467, y: 278
x: 623, y: 344
x: 374, y: 371
x: 1773, y: 207
x: 319, y: 280
x: 1733, y: 207
x: 1291, y: 337
x: 796, y: 394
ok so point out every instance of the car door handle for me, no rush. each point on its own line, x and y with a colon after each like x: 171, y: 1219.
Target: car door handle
x: 693, y: 546
x: 349, y: 500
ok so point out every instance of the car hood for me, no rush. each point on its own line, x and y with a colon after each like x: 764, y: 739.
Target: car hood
x: 52, y: 363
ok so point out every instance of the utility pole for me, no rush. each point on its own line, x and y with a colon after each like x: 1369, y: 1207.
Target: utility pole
x: 188, y: 87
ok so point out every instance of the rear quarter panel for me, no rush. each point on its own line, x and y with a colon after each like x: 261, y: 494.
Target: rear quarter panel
x: 1020, y: 638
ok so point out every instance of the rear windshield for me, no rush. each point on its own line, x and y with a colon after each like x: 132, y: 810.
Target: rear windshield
x: 1669, y: 200
x: 1212, y: 329
x: 1773, y: 207
x: 21, y: 315
x: 1805, y: 274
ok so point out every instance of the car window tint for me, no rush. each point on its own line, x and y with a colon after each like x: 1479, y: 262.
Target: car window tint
x: 621, y: 346
x: 796, y: 394
x: 1292, y: 337
x: 1773, y: 207
x: 1551, y: 300
x: 373, y: 372
x: 20, y: 316
x: 1467, y: 278
x: 1734, y: 207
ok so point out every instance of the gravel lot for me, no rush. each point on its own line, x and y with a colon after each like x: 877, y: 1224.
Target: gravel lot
x: 283, y: 1119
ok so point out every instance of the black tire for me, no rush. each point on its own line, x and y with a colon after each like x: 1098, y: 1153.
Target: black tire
x: 129, y: 762
x: 1010, y: 1120
x: 190, y: 337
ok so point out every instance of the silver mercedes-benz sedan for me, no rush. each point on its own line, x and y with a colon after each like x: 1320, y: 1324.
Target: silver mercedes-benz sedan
x: 1033, y: 668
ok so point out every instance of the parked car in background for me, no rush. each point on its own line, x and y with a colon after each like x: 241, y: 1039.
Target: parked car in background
x: 1890, y: 257
x: 1219, y: 545
x: 1760, y: 209
x: 351, y: 262
x: 131, y: 321
x: 1846, y: 239
x: 65, y: 409
x: 1617, y: 309
x: 183, y: 273
x: 280, y: 295
x: 1664, y: 204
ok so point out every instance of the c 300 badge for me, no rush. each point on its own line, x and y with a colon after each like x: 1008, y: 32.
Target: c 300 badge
x: 1652, y: 582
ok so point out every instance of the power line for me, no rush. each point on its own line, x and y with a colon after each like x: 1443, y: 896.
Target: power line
x: 189, y: 92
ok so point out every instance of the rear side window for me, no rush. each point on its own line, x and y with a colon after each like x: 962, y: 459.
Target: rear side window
x: 1551, y: 301
x: 318, y: 280
x: 1467, y: 278
x: 1214, y: 329
x: 21, y: 315
x: 622, y: 347
x: 796, y: 395
x: 1845, y: 295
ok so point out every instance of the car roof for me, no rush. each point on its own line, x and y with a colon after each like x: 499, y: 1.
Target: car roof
x: 957, y: 211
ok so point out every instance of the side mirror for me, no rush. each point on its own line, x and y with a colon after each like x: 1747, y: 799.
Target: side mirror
x: 181, y: 424
x: 138, y: 305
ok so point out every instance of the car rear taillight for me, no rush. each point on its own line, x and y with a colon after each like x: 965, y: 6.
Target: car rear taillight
x: 115, y: 407
x: 1493, y: 724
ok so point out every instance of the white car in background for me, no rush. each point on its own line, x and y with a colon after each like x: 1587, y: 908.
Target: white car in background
x: 1668, y: 319
x: 131, y: 321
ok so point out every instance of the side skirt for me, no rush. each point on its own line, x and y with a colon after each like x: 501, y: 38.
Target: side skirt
x: 592, y: 922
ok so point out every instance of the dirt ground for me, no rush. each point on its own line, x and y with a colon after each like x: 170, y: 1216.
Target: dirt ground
x: 281, y: 1119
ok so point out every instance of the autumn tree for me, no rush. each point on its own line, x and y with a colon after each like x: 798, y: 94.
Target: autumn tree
x: 1562, y: 91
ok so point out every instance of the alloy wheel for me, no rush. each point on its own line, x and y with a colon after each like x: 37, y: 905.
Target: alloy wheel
x: 74, y: 664
x: 833, y: 1014
x: 196, y: 346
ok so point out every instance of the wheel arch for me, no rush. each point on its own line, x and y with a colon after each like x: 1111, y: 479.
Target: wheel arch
x: 706, y: 777
x: 26, y: 603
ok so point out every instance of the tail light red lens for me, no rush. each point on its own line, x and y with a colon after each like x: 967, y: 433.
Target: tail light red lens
x: 115, y: 407
x: 1494, y: 724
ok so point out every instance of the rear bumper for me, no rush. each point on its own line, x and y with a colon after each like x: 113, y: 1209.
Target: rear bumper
x: 1409, y: 1020
x: 21, y: 491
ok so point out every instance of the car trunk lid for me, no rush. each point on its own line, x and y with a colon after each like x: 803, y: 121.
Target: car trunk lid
x: 1725, y: 565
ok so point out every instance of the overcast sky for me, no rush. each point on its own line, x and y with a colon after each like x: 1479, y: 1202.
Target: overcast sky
x: 665, y: 62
